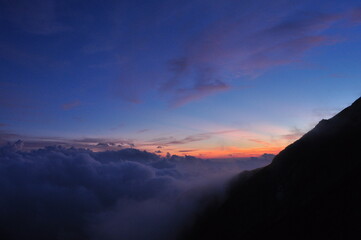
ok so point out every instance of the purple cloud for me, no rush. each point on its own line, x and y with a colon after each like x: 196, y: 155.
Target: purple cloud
x: 184, y: 96
x: 230, y: 47
x: 70, y: 105
x: 192, y: 138
x: 255, y: 49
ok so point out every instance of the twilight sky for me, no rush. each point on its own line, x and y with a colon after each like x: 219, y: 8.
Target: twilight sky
x: 202, y: 77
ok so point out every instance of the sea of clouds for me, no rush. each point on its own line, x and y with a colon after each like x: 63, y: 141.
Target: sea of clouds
x: 69, y: 193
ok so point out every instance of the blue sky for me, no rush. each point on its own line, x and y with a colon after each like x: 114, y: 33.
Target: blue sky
x: 209, y: 78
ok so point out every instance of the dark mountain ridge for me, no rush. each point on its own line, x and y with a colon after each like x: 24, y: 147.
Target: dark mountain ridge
x: 311, y: 190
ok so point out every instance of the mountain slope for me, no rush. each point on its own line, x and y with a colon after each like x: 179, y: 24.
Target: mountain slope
x: 311, y: 190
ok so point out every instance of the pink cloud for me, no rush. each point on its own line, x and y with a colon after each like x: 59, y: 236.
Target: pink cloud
x: 232, y: 47
x: 70, y: 105
x: 185, y: 96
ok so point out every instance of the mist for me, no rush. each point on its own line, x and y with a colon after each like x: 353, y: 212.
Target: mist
x: 71, y: 193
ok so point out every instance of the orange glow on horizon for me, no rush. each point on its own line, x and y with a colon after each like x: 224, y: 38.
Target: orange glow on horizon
x: 228, y: 144
x: 214, y: 141
x: 234, y: 152
x: 229, y: 152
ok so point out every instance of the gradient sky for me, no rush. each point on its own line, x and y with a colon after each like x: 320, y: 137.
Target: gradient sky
x: 205, y: 78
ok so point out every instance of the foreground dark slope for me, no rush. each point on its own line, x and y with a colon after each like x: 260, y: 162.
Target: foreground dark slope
x: 311, y: 190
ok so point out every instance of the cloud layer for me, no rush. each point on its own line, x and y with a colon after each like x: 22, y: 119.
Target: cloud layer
x: 59, y: 193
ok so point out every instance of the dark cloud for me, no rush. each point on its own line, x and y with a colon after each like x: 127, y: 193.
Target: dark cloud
x: 5, y: 136
x: 69, y: 193
x: 185, y: 151
x: 106, y: 145
x: 95, y: 144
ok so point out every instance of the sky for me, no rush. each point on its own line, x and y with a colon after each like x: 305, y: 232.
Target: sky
x: 212, y: 79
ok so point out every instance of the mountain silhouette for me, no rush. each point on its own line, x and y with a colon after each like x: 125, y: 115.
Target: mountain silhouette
x: 311, y: 190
